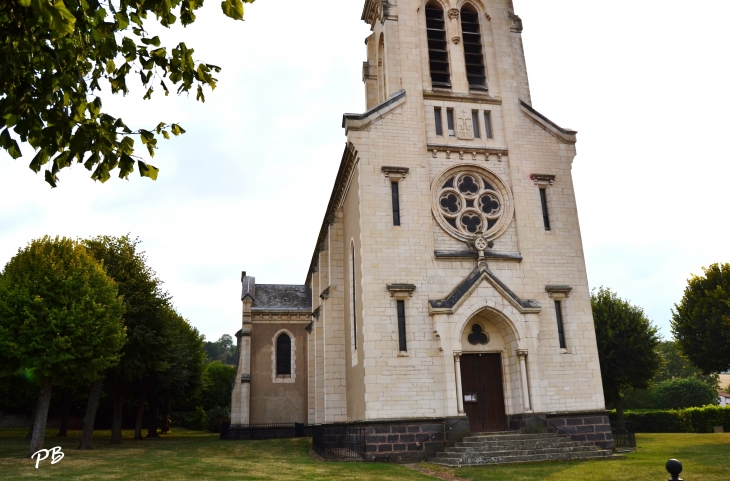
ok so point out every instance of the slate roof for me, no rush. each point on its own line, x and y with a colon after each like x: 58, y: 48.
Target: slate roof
x: 281, y: 296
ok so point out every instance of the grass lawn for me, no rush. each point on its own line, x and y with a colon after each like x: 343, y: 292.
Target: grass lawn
x: 196, y: 455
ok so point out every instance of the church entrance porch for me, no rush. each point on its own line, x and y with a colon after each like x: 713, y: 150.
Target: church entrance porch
x: 483, y: 392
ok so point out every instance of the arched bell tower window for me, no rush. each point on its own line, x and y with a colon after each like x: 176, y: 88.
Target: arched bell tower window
x: 473, y: 54
x: 283, y: 355
x: 437, y: 46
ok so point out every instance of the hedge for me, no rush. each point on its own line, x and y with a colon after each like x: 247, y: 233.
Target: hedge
x: 690, y: 420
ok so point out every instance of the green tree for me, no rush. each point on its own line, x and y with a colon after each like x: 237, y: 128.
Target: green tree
x: 217, y: 385
x: 144, y: 300
x: 701, y: 321
x: 181, y: 378
x: 60, y: 319
x: 57, y: 54
x: 684, y: 393
x: 676, y: 366
x: 222, y: 350
x: 627, y: 345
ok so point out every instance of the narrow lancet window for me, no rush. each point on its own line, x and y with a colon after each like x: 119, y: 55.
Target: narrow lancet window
x: 437, y: 46
x: 402, y: 326
x: 438, y: 120
x: 354, y: 299
x: 396, y: 203
x: 545, y: 216
x: 488, y: 124
x: 475, y: 72
x: 283, y: 355
x: 450, y: 122
x: 561, y: 331
x: 475, y: 124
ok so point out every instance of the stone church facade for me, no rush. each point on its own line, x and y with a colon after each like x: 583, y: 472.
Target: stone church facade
x: 448, y: 281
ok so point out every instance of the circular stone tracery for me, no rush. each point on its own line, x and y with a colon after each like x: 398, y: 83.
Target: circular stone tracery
x: 470, y: 199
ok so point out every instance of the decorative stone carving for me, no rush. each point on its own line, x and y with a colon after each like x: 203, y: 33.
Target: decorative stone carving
x: 453, y: 13
x: 542, y: 180
x: 464, y: 130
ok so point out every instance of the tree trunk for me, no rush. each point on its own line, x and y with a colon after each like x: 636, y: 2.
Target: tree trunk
x: 29, y: 434
x: 90, y: 415
x: 63, y: 428
x: 140, y: 409
x: 165, y: 426
x: 617, y: 403
x: 118, y: 392
x: 41, y: 416
x: 152, y: 423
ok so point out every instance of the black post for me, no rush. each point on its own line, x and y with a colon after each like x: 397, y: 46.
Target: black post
x: 675, y: 469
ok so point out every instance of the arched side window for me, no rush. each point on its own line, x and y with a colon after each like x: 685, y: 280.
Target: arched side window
x: 437, y: 46
x: 283, y: 357
x: 474, y: 57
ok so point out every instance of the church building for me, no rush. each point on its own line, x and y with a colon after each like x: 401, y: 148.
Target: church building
x: 448, y: 282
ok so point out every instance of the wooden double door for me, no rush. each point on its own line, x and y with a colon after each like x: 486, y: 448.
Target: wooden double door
x: 483, y: 391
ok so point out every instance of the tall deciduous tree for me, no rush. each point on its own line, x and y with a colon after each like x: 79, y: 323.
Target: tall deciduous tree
x: 677, y: 366
x: 144, y: 301
x: 57, y: 54
x: 701, y: 321
x: 60, y: 319
x: 627, y: 345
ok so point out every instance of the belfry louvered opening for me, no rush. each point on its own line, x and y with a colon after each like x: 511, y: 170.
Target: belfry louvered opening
x: 437, y: 46
x: 473, y: 54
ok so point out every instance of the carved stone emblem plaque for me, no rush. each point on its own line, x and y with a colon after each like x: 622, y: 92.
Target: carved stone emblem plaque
x: 464, y: 129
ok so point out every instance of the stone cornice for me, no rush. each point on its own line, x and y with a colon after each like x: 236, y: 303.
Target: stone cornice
x: 457, y: 297
x: 489, y: 254
x: 471, y: 98
x: 460, y: 150
x: 357, y: 122
x: 347, y: 165
x: 566, y: 136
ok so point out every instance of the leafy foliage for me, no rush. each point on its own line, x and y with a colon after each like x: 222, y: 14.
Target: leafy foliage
x: 217, y: 385
x: 222, y: 350
x: 143, y: 298
x: 58, y: 53
x: 627, y: 344
x: 701, y: 321
x: 684, y: 393
x: 691, y: 420
x: 677, y: 366
x: 60, y: 316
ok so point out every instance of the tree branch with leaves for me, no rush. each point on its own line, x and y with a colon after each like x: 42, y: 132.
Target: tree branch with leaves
x: 57, y: 54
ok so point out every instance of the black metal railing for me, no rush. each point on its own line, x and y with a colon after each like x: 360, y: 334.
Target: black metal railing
x: 263, y: 431
x: 342, y: 443
x: 624, y: 434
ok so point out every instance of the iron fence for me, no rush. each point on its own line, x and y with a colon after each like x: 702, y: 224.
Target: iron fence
x: 342, y: 443
x: 624, y: 434
x: 263, y: 431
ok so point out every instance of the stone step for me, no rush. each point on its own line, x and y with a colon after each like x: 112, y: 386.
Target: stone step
x: 510, y: 437
x: 517, y: 444
x: 518, y: 452
x: 455, y: 460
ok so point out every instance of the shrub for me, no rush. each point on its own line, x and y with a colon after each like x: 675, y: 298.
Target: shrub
x: 684, y: 393
x: 691, y: 420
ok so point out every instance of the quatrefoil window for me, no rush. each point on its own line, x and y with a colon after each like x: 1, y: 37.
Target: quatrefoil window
x: 478, y: 336
x: 470, y: 204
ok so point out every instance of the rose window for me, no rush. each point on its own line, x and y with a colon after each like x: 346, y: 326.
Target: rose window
x: 470, y: 203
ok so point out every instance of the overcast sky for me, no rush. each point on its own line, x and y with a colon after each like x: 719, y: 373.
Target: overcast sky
x: 646, y: 84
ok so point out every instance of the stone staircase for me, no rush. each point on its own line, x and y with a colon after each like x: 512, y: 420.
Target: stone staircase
x: 513, y: 447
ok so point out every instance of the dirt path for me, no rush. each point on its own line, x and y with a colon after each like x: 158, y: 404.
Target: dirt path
x: 444, y: 475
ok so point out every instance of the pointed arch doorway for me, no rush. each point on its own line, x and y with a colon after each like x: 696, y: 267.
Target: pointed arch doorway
x: 484, y: 341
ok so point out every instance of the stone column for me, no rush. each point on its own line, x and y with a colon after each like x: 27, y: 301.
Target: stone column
x: 241, y: 398
x: 522, y: 354
x: 459, y: 392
